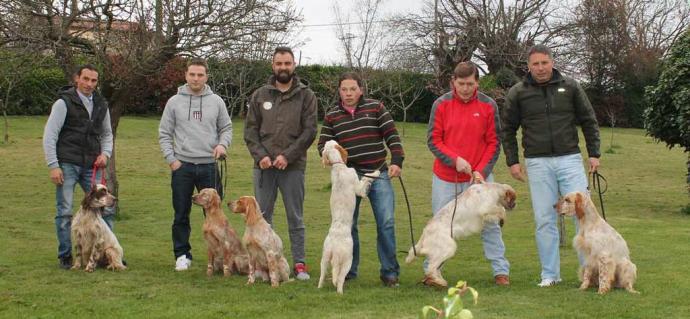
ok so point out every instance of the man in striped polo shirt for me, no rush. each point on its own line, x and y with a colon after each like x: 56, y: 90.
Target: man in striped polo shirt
x: 464, y: 127
x: 364, y: 128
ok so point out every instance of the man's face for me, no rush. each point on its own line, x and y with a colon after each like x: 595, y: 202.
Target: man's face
x: 196, y: 78
x: 283, y: 67
x: 540, y: 66
x: 350, y: 92
x: 87, y: 81
x: 465, y: 87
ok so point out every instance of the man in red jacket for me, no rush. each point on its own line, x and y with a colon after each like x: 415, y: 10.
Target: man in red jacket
x: 463, y: 135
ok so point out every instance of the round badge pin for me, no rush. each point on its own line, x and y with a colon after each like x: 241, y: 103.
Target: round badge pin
x: 268, y: 105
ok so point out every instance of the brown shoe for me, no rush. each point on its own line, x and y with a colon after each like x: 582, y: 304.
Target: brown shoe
x: 502, y: 280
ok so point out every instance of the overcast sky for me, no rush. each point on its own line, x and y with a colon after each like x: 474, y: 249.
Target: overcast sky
x: 320, y: 43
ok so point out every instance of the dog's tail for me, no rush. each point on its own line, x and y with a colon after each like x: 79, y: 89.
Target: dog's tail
x: 411, y: 254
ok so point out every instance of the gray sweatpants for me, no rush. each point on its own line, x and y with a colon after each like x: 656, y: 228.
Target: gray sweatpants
x: 291, y: 185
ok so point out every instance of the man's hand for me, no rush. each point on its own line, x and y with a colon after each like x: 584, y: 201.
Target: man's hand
x: 593, y: 164
x: 462, y: 166
x: 101, y: 160
x: 265, y: 163
x: 175, y: 165
x: 281, y: 162
x: 478, y: 178
x: 56, y: 176
x: 394, y: 170
x: 517, y: 172
x: 219, y: 152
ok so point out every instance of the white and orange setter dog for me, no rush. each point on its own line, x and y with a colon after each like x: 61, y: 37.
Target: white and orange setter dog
x: 345, y: 186
x: 479, y: 204
x: 606, y: 256
x: 95, y: 244
x: 263, y: 244
x: 225, y: 250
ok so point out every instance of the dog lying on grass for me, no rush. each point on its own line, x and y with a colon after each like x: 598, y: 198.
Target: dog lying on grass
x: 264, y: 246
x: 606, y: 256
x: 95, y: 244
x: 225, y: 250
x: 337, y: 247
x: 480, y: 203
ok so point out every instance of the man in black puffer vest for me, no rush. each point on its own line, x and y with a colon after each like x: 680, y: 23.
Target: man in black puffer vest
x: 76, y: 138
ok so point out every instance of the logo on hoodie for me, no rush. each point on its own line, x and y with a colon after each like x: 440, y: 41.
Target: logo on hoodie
x: 197, y: 115
x: 267, y: 105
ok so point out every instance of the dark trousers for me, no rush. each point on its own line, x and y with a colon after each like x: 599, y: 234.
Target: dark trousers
x: 184, y: 180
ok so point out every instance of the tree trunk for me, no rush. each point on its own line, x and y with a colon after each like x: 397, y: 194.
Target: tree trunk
x: 7, y: 122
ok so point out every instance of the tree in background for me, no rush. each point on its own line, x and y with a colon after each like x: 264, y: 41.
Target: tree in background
x: 133, y: 40
x: 667, y: 117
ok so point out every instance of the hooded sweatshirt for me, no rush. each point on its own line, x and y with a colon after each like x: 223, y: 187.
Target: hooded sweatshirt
x: 193, y: 125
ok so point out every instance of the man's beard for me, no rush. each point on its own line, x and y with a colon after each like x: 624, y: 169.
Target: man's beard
x: 284, y: 77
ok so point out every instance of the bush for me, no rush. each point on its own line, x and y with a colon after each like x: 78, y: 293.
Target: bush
x: 37, y: 92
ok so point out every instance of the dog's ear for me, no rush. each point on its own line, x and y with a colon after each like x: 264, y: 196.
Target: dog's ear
x: 579, y: 205
x: 324, y: 160
x: 215, y: 199
x: 343, y: 153
x: 86, y: 202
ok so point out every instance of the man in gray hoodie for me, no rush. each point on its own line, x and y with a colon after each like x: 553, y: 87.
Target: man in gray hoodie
x: 195, y: 130
x: 279, y: 128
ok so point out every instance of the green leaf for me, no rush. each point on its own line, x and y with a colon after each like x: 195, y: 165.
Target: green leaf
x: 453, y: 307
x: 475, y: 294
x: 465, y: 314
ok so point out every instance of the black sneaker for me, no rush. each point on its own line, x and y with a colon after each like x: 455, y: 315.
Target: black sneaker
x: 66, y: 262
x: 349, y: 277
x: 390, y: 281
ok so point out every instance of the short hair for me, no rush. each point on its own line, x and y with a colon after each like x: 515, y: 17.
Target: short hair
x: 351, y: 76
x: 199, y: 62
x: 83, y: 67
x: 539, y: 48
x: 283, y: 50
x: 465, y: 69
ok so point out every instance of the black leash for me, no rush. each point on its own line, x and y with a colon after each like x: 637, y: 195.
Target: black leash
x: 596, y: 184
x: 409, y: 214
x: 455, y: 206
x: 407, y: 201
x: 220, y: 175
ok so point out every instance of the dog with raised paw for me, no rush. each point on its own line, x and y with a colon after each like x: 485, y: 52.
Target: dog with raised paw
x: 345, y: 186
x: 479, y: 204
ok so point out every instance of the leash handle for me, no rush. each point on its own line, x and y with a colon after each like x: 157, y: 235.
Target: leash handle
x: 596, y: 184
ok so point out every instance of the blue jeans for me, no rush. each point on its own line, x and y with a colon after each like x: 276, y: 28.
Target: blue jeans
x: 442, y: 193
x: 64, y: 195
x: 549, y: 177
x: 383, y: 204
x: 183, y: 182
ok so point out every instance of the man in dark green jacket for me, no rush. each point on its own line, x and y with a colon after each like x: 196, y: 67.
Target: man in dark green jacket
x: 279, y: 128
x: 548, y: 106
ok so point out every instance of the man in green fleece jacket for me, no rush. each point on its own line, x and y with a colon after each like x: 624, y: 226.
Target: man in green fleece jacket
x: 195, y: 130
x: 548, y: 106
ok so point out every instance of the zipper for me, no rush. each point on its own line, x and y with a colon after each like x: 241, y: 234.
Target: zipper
x: 548, y: 116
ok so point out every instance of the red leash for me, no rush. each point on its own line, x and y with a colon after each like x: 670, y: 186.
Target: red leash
x: 94, y: 171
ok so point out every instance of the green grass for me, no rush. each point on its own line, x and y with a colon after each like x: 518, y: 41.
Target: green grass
x: 645, y: 195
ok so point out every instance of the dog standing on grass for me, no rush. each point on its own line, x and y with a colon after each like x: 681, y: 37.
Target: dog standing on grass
x: 606, y: 256
x: 225, y: 250
x: 264, y: 246
x: 479, y: 204
x: 95, y: 244
x: 337, y: 247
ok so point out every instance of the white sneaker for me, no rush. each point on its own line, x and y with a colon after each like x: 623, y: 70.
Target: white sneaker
x: 549, y: 282
x: 182, y: 263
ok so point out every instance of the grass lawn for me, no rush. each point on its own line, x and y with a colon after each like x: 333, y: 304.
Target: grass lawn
x: 645, y: 194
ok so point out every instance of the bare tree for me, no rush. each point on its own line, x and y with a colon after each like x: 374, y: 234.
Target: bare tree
x: 401, y: 89
x: 132, y: 39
